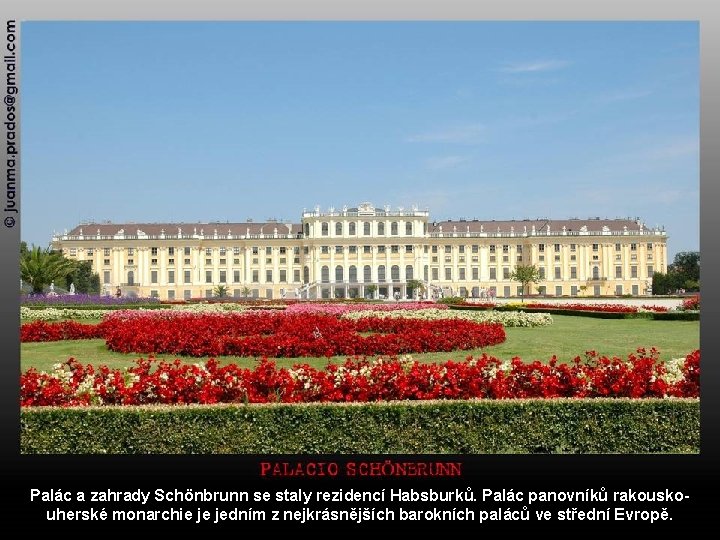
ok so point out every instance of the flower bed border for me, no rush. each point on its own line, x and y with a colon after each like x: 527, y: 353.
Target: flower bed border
x: 655, y: 316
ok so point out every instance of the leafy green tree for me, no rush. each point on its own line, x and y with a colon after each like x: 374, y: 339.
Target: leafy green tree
x: 688, y: 264
x: 661, y: 283
x: 371, y: 289
x: 525, y: 275
x: 686, y: 267
x: 245, y: 291
x: 40, y: 267
x: 84, y: 279
x: 683, y: 273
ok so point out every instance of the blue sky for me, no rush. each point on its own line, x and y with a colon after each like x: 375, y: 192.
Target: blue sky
x: 157, y: 122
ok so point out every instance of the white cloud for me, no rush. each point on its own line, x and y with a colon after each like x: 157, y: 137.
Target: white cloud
x: 466, y: 134
x: 622, y: 95
x: 535, y: 67
x: 445, y: 162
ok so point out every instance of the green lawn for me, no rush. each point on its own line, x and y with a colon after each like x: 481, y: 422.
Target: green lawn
x: 566, y: 338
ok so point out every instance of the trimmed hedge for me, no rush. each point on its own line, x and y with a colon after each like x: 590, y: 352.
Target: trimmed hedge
x: 456, y: 427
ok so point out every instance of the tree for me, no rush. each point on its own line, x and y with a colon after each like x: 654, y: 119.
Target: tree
x: 415, y: 285
x: 683, y: 273
x: 525, y: 275
x: 371, y: 289
x: 245, y: 291
x: 85, y: 280
x: 40, y: 267
x: 686, y: 267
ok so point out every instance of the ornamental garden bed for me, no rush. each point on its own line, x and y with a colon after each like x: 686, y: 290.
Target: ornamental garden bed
x: 641, y: 375
x: 270, y: 334
x: 472, y: 404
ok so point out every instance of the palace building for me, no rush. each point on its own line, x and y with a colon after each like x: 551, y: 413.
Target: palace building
x: 369, y: 252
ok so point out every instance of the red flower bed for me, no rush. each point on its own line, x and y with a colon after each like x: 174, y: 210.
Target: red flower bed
x: 360, y: 380
x: 692, y: 303
x: 607, y: 308
x: 289, y: 335
x: 57, y: 331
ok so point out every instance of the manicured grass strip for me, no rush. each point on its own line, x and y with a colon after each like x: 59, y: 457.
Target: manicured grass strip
x: 461, y: 427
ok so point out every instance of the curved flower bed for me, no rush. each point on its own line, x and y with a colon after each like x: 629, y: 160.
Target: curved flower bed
x: 82, y: 299
x: 53, y: 314
x: 606, y: 308
x: 341, y: 309
x: 506, y: 318
x: 360, y: 380
x: 275, y: 334
x: 43, y: 331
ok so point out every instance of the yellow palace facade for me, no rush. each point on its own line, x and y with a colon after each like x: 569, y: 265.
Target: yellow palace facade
x: 369, y: 252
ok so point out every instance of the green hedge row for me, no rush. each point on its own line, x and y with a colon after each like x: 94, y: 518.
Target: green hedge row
x: 453, y: 427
